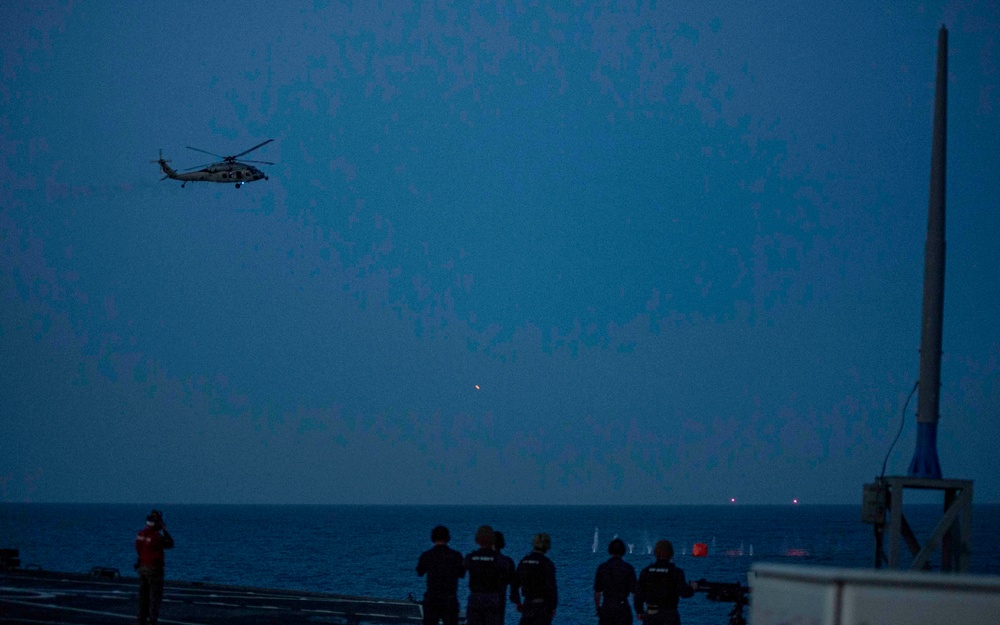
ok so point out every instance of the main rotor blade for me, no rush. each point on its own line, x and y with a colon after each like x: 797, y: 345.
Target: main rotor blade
x: 252, y: 149
x: 249, y: 161
x: 204, y: 151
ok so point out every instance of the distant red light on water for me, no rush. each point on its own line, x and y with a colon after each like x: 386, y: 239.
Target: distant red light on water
x: 699, y: 550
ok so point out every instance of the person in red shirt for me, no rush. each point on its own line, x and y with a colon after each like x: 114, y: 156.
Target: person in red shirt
x: 149, y: 546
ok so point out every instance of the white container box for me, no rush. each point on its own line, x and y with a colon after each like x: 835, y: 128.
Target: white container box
x: 782, y: 594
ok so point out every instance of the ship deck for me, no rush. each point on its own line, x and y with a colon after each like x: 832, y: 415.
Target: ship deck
x: 30, y: 597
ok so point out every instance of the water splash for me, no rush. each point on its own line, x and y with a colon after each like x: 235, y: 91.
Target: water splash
x: 630, y: 546
x: 751, y: 549
x: 595, y: 541
x: 795, y: 552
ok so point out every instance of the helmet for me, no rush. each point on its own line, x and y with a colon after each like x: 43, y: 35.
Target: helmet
x: 485, y: 536
x: 542, y: 542
x: 440, y: 534
x: 664, y: 550
x: 154, y: 518
x: 616, y: 547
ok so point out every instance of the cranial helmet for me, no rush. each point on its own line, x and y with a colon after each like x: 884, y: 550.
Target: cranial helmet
x: 542, y: 542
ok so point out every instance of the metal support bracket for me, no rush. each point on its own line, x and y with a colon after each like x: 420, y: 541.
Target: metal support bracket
x: 952, y: 535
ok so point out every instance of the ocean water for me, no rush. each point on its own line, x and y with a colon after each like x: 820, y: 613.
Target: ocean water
x: 373, y: 550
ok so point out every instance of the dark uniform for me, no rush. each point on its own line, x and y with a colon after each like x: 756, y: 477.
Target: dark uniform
x: 615, y: 580
x: 443, y: 566
x: 537, y: 575
x: 660, y: 587
x: 512, y: 580
x: 488, y: 577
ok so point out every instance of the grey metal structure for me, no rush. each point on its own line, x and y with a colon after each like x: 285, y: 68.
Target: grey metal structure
x: 952, y: 535
x: 885, y: 496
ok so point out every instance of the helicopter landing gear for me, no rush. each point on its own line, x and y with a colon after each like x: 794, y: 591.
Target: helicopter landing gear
x: 239, y: 184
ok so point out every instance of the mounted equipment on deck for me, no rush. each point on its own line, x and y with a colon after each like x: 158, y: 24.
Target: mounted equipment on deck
x: 734, y: 593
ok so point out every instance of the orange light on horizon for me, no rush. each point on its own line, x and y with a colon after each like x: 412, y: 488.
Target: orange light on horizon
x: 477, y: 387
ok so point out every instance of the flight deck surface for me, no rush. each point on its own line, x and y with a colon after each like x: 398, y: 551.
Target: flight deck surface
x: 51, y: 598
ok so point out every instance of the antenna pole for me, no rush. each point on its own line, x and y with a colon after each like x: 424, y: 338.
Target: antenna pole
x: 925, y: 459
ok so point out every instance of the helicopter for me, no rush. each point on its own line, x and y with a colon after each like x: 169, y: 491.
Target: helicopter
x: 228, y: 170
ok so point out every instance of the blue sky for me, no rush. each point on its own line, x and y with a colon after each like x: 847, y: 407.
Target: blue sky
x: 678, y: 247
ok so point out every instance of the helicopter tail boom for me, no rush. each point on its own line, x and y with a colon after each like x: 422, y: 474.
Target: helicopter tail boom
x: 170, y: 173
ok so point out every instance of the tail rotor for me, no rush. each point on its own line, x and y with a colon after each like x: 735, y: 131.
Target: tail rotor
x: 160, y: 160
x: 168, y: 172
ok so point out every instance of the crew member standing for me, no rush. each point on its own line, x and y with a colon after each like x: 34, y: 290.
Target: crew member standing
x: 487, y: 580
x: 443, y: 566
x: 615, y: 580
x: 510, y: 570
x: 537, y: 575
x: 149, y: 546
x: 660, y: 587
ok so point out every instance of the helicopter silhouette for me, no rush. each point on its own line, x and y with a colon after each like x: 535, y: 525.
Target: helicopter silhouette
x: 228, y: 170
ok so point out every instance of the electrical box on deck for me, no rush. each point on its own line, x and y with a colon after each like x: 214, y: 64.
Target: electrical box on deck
x: 873, y: 503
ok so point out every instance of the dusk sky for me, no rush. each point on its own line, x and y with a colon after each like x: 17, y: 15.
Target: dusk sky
x: 519, y: 253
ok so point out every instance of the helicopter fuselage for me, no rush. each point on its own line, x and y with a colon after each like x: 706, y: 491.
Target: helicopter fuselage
x: 234, y: 173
